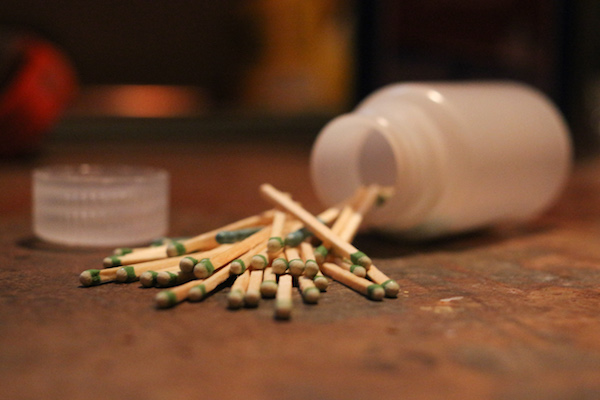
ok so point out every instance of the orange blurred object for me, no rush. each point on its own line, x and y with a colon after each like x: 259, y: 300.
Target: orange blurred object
x: 34, y: 95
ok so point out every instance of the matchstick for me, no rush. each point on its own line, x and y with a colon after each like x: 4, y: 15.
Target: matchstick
x: 321, y: 282
x: 311, y: 268
x: 208, y: 265
x: 235, y: 297
x: 169, y: 297
x: 344, y: 249
x: 252, y: 296
x: 390, y: 286
x: 297, y: 236
x: 260, y: 260
x: 296, y: 265
x: 121, y: 251
x: 93, y: 277
x: 363, y: 205
x: 241, y: 264
x: 208, y: 240
x: 268, y: 286
x: 148, y: 254
x: 200, y: 291
x: 130, y: 273
x: 283, y: 298
x: 348, y: 266
x: 371, y: 290
x: 275, y: 243
x: 322, y: 251
x: 310, y: 293
x: 279, y: 265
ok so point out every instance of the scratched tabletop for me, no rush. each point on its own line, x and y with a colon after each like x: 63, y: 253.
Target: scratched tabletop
x: 508, y: 313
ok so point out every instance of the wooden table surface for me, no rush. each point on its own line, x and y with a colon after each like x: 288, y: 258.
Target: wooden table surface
x: 507, y: 314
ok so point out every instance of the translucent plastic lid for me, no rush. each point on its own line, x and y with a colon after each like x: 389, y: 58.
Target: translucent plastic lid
x: 100, y: 205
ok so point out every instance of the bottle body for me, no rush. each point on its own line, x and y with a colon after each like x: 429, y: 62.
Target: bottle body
x: 459, y: 156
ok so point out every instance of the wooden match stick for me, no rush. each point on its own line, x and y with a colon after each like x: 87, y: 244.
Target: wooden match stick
x: 310, y: 293
x: 390, y: 286
x: 170, y: 297
x: 268, y: 286
x: 372, y: 290
x: 279, y: 265
x: 321, y: 282
x: 235, y: 297
x: 341, y: 247
x: 92, y: 277
x: 322, y: 251
x: 208, y: 240
x: 348, y: 266
x: 206, y: 266
x: 363, y: 205
x: 252, y: 296
x: 148, y: 254
x: 237, y: 235
x: 296, y: 265
x: 275, y: 243
x: 283, y: 298
x: 200, y: 291
x: 130, y: 273
x: 297, y: 236
x: 311, y: 268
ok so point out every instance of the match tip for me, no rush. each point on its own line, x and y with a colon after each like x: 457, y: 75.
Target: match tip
x: 251, y: 298
x: 236, y: 267
x: 311, y: 295
x: 259, y: 261
x: 165, y: 299
x: 376, y: 292
x: 321, y: 282
x: 201, y: 270
x: 111, y: 261
x: 268, y: 289
x: 296, y: 267
x: 283, y: 309
x: 187, y: 264
x: 279, y: 266
x: 235, y: 299
x: 196, y: 293
x: 175, y: 249
x: 359, y: 271
x: 391, y: 288
x: 364, y: 261
x: 148, y: 278
x: 86, y: 278
x: 311, y: 269
x: 274, y: 245
x: 165, y: 278
x: 122, y: 275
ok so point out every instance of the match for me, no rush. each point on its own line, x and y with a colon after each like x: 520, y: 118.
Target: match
x: 275, y: 243
x: 296, y: 265
x: 283, y: 298
x: 199, y: 292
x: 170, y: 297
x: 311, y: 268
x: 348, y: 266
x: 143, y: 255
x: 390, y: 286
x: 93, y: 277
x: 279, y: 265
x: 148, y: 278
x: 189, y: 261
x: 252, y: 296
x: 297, y: 236
x: 224, y: 237
x: 172, y: 278
x: 310, y: 293
x: 268, y: 286
x: 241, y: 264
x: 371, y: 290
x: 342, y: 248
x: 208, y: 240
x: 235, y: 297
x: 260, y: 260
x: 321, y: 282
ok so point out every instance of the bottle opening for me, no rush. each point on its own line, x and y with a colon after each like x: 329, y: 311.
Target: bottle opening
x: 377, y: 163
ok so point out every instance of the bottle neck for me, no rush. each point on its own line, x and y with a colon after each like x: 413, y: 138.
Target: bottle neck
x: 400, y: 149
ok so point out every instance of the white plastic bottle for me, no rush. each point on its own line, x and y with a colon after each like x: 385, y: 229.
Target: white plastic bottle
x: 459, y: 156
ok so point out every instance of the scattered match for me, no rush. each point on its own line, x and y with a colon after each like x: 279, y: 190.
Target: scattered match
x: 261, y: 256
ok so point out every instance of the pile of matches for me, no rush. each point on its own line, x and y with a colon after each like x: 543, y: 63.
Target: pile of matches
x: 264, y: 256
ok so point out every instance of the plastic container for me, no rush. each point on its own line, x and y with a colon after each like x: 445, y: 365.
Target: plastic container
x: 459, y: 156
x: 95, y: 205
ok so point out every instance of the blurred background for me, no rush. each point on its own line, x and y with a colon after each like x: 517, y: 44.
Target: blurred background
x: 259, y: 69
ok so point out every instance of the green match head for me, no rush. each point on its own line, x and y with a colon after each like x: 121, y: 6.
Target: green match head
x: 203, y: 269
x: 311, y: 295
x: 321, y: 254
x: 360, y: 258
x: 259, y: 261
x: 148, y: 278
x: 321, y: 282
x: 126, y: 274
x: 166, y: 278
x: 187, y: 264
x: 268, y: 289
x: 90, y: 277
x: 391, y: 288
x: 197, y: 293
x: 296, y: 267
x: 111, y: 261
x: 311, y: 269
x: 279, y: 265
x: 375, y: 292
x: 237, y: 267
x: 235, y: 299
x: 165, y: 299
x: 359, y: 271
x: 274, y: 245
x: 175, y: 249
